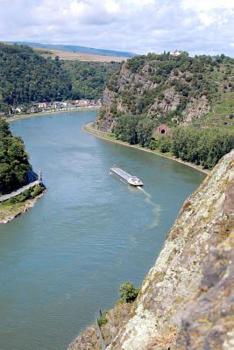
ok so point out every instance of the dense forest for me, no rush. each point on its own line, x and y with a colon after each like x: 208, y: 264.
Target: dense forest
x: 88, y: 79
x: 14, y: 164
x: 27, y: 77
x: 192, y: 96
x: 202, y: 146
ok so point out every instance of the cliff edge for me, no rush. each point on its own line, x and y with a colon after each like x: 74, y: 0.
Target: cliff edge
x: 186, y: 300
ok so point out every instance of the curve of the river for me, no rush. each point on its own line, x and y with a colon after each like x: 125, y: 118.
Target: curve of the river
x: 65, y: 259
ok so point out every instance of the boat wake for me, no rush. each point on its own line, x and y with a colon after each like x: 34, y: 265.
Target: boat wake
x: 156, y: 207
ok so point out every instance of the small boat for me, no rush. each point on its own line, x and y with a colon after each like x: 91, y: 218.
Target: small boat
x: 130, y: 179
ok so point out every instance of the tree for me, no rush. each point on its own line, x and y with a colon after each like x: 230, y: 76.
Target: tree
x: 128, y: 292
x: 126, y: 128
x: 144, y: 131
x: 14, y: 164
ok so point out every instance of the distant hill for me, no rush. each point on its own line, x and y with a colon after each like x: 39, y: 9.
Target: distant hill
x: 79, y: 49
x: 26, y: 76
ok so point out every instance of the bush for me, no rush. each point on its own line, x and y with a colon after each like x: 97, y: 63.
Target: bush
x: 165, y: 144
x: 128, y: 292
x: 36, y: 191
x: 102, y: 320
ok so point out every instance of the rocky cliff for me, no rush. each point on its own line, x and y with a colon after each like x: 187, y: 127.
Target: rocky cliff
x: 186, y: 300
x: 167, y: 89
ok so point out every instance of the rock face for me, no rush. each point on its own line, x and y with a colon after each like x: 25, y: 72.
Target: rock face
x: 186, y: 301
x: 166, y: 89
x: 137, y: 93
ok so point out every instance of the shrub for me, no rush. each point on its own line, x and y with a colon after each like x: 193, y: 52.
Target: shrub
x: 165, y: 144
x: 128, y: 292
x: 36, y: 191
x: 102, y: 320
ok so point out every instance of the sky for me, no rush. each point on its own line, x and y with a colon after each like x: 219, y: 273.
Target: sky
x: 140, y: 26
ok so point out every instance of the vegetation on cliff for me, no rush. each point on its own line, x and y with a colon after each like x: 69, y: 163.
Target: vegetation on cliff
x: 167, y: 88
x: 14, y: 163
x: 26, y: 76
x: 176, y: 92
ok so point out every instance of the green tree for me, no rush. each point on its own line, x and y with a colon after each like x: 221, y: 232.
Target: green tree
x: 144, y: 131
x: 128, y: 292
x: 14, y: 164
x: 126, y: 128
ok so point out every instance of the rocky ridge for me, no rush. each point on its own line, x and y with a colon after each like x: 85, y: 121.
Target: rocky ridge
x: 167, y: 89
x: 186, y: 300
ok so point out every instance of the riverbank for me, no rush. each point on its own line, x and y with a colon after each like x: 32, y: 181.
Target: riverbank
x: 14, y: 207
x: 46, y: 113
x: 111, y: 138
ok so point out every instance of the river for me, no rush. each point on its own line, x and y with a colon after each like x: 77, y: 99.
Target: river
x: 65, y: 259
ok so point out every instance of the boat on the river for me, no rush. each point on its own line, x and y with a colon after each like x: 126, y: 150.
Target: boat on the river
x: 130, y: 179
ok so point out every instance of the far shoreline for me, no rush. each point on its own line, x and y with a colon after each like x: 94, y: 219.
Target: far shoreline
x: 104, y: 136
x: 16, y: 117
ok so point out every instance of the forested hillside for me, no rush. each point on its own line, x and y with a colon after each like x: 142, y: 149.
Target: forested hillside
x: 153, y: 99
x: 14, y: 164
x: 27, y: 77
x: 88, y: 79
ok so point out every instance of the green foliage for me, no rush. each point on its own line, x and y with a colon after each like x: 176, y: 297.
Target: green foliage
x: 88, y: 79
x: 162, y: 89
x: 202, y: 146
x: 144, y: 131
x: 126, y: 129
x: 27, y: 194
x: 26, y: 76
x: 102, y: 320
x: 14, y: 164
x: 136, y: 63
x: 36, y: 190
x: 162, y: 143
x: 128, y: 292
x: 133, y: 129
x: 187, y: 78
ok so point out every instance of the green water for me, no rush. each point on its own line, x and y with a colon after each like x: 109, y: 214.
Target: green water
x: 65, y: 259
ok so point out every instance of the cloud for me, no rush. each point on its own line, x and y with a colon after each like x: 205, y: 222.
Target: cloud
x: 198, y: 26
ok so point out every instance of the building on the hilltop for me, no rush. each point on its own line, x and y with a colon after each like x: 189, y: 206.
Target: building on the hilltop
x: 176, y: 53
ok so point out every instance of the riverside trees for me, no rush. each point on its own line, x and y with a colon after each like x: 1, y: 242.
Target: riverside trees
x: 14, y: 164
x: 201, y: 146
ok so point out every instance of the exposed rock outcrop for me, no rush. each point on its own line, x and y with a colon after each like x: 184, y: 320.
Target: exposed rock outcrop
x: 167, y: 89
x: 186, y: 301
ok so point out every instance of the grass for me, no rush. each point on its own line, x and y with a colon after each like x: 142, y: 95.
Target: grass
x: 8, y: 210
x: 17, y: 205
x: 221, y: 115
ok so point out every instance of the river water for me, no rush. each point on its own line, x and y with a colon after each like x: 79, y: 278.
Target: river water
x: 65, y: 259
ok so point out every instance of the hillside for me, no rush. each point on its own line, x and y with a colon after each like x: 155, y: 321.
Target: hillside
x: 186, y: 299
x: 26, y: 77
x: 179, y: 105
x: 171, y: 89
x: 88, y: 79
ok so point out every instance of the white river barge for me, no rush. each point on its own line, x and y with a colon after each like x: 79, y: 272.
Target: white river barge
x: 130, y: 179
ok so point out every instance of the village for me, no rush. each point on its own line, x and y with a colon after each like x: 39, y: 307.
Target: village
x: 55, y: 106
